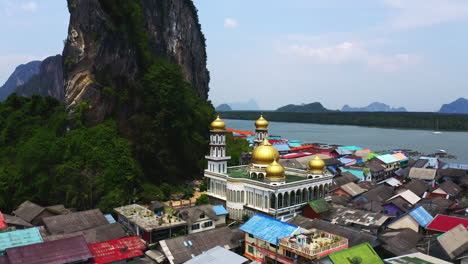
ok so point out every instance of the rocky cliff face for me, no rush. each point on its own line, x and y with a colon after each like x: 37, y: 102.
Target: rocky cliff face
x: 99, y: 57
x: 21, y: 75
x: 47, y: 82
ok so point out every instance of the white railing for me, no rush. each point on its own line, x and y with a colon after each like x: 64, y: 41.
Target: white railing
x: 313, y: 252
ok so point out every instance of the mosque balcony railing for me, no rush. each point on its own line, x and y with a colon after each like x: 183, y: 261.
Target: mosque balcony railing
x: 288, y: 208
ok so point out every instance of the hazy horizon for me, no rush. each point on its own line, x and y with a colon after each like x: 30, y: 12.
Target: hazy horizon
x: 402, y: 53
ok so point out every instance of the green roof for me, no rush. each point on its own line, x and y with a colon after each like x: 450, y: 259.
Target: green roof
x: 320, y: 205
x: 363, y: 252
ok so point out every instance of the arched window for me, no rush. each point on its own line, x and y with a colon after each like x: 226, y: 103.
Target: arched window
x: 242, y: 196
x: 299, y: 197
x: 293, y: 198
x: 286, y: 200
x: 280, y: 200
x: 273, y: 201
x: 260, y: 175
x: 316, y: 195
x: 311, y: 194
x: 304, y: 195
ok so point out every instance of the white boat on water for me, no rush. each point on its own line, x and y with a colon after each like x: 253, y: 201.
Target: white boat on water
x: 436, y: 132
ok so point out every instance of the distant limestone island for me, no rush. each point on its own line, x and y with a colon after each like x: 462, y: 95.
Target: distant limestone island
x: 315, y: 107
x: 459, y: 106
x: 250, y: 105
x: 373, y: 107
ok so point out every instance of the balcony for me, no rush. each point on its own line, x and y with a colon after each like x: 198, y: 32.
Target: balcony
x: 314, y: 253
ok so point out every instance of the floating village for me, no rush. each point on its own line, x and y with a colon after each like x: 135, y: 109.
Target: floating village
x: 285, y: 201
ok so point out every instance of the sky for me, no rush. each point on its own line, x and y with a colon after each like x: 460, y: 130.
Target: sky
x: 410, y: 53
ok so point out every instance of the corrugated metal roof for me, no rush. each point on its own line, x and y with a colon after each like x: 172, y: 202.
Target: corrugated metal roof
x: 387, y: 159
x: 217, y: 255
x: 409, y: 196
x: 19, y: 238
x: 421, y: 216
x: 282, y: 146
x: 343, y: 152
x: 68, y: 250
x: 352, y: 148
x: 400, y: 156
x: 444, y: 223
x: 267, y: 228
x: 118, y: 249
x: 391, y: 181
x: 220, y: 210
x: 320, y: 205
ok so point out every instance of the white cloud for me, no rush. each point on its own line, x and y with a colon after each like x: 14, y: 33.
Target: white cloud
x: 11, y: 7
x: 231, y: 23
x: 351, y: 52
x: 420, y: 13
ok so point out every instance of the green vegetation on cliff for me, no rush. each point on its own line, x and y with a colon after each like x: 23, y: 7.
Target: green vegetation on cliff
x: 41, y: 161
x: 431, y: 121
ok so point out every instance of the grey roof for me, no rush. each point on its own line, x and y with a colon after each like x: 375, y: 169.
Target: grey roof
x: 28, y: 211
x: 401, y: 203
x: 94, y: 235
x: 380, y: 193
x: 176, y: 250
x: 423, y: 174
x: 343, y: 151
x: 192, y: 214
x: 346, y: 216
x: 14, y: 220
x: 420, y: 163
x: 340, y: 199
x: 400, y: 241
x: 455, y: 241
x: 345, y: 178
x: 217, y: 255
x: 417, y: 186
x: 65, y: 224
x: 352, y: 189
x: 354, y: 236
x: 450, y: 172
x: 435, y: 205
x: 375, y: 167
x: 450, y: 188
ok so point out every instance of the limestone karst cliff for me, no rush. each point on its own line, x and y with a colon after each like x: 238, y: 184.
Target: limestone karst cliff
x: 108, y: 42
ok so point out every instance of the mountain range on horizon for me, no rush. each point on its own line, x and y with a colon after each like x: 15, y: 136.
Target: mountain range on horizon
x: 373, y: 107
x: 459, y: 106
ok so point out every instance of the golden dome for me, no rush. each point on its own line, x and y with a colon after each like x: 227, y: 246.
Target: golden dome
x: 274, y: 171
x: 316, y: 164
x: 261, y: 123
x: 265, y: 154
x: 218, y: 124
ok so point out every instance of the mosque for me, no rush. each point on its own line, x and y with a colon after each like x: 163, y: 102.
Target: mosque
x: 264, y: 186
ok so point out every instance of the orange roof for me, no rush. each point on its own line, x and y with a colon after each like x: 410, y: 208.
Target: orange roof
x: 303, y: 147
x: 250, y: 133
x: 400, y: 156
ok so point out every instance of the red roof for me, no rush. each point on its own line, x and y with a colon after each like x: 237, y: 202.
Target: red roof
x: 60, y: 251
x: 295, y: 155
x: 303, y: 147
x: 2, y: 221
x: 445, y: 223
x: 250, y: 133
x: 117, y: 249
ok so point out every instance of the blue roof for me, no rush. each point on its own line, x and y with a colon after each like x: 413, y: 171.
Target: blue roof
x: 20, y: 238
x: 421, y: 216
x: 220, y: 210
x: 110, y: 218
x: 294, y: 145
x: 457, y: 166
x: 388, y: 158
x: 357, y: 173
x: 345, y: 161
x: 281, y: 146
x: 350, y: 147
x: 267, y: 228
